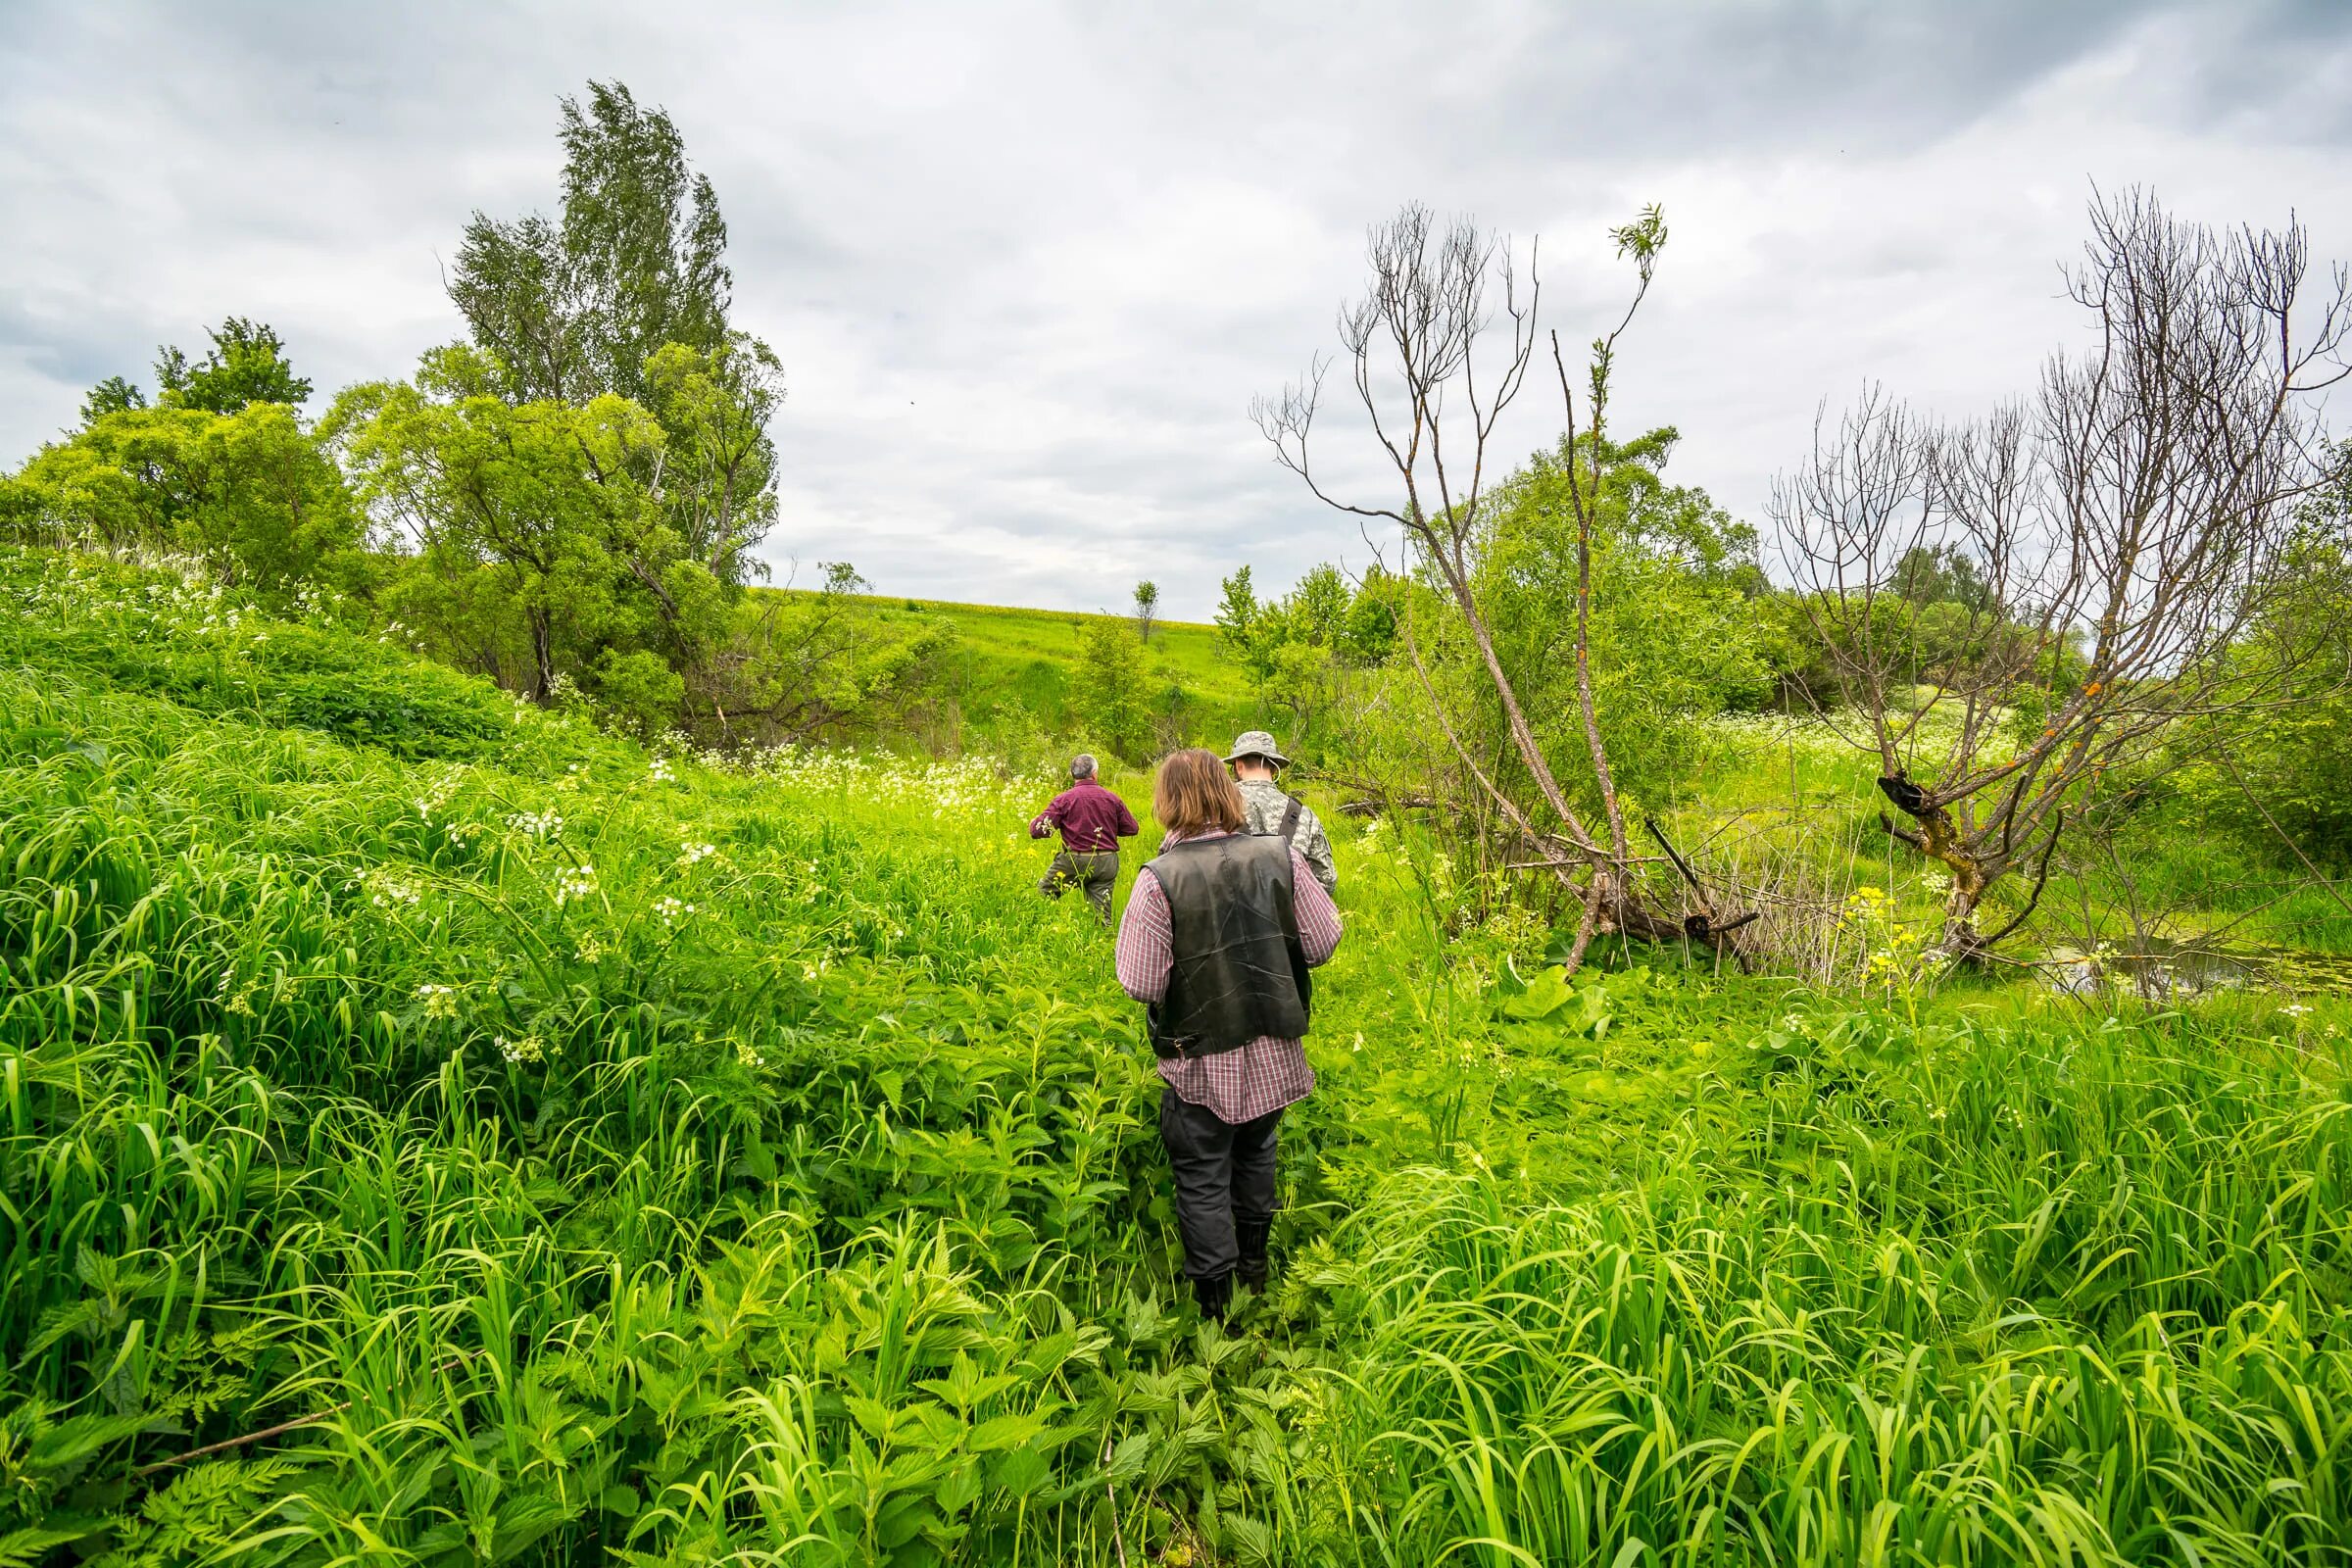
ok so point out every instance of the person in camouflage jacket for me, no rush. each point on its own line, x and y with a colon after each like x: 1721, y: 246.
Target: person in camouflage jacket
x: 1256, y: 761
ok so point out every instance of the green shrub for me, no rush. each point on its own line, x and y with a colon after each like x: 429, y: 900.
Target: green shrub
x: 573, y: 1156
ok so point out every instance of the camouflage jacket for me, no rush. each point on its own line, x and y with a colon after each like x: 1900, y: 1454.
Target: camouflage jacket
x: 1265, y: 803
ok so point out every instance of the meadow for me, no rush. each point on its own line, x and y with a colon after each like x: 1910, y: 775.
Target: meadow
x: 439, y: 1132
x: 1011, y: 674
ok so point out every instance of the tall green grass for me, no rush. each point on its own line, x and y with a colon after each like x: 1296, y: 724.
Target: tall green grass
x: 606, y: 1156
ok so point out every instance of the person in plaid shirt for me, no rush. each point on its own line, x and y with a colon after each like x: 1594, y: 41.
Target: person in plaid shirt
x: 1218, y: 936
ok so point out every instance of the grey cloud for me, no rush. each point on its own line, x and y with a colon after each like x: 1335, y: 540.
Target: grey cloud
x: 1026, y: 265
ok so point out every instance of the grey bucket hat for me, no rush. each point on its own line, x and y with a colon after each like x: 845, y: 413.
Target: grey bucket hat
x: 1256, y: 743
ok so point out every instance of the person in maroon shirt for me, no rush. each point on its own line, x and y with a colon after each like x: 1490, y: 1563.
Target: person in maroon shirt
x: 1092, y: 821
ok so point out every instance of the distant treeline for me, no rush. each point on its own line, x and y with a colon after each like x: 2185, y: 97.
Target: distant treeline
x: 570, y: 500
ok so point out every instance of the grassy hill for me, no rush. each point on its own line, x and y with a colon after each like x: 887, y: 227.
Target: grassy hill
x: 495, y: 1142
x: 1013, y: 672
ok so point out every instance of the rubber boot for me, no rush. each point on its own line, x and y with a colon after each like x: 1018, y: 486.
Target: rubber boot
x: 1251, y: 1234
x: 1214, y: 1296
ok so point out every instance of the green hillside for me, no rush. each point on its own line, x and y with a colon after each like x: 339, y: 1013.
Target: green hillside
x: 433, y: 1131
x: 1014, y: 674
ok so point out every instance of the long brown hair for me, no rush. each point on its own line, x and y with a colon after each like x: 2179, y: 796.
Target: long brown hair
x: 1192, y: 793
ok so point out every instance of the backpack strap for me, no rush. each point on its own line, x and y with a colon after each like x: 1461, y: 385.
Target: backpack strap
x: 1289, y: 821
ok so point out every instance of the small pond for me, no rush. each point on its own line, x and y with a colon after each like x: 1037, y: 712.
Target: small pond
x: 2159, y: 968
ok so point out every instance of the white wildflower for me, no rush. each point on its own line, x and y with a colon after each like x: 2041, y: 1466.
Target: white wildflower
x: 530, y: 1047
x: 440, y: 1002
x: 536, y: 824
x: 695, y: 854
x: 574, y: 883
x: 388, y: 890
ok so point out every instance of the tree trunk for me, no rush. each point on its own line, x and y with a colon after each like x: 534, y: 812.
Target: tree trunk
x: 1940, y: 840
x: 543, y: 651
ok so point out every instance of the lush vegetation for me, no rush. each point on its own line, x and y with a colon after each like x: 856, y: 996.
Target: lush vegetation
x: 646, y: 1154
x: 1030, y: 684
x: 524, y: 1041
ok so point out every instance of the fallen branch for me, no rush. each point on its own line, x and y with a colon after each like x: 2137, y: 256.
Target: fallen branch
x: 226, y: 1444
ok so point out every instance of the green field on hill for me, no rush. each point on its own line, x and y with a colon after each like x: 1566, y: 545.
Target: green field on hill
x: 1011, y: 674
x: 435, y: 1131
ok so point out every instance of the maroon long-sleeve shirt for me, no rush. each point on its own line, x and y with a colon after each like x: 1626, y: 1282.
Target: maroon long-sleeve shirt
x: 1090, y: 818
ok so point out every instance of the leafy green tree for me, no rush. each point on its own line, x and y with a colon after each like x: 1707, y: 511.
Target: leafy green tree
x: 1246, y: 627
x: 626, y: 294
x: 534, y: 509
x: 1302, y: 650
x: 638, y: 689
x: 1315, y: 609
x: 1371, y: 628
x: 808, y: 664
x: 552, y: 541
x: 1146, y: 606
x: 2277, y: 769
x: 576, y: 306
x: 248, y: 491
x: 114, y: 395
x: 1674, y: 639
x: 1941, y: 574
x: 1237, y: 611
x: 246, y: 365
x: 716, y: 484
x: 1111, y: 700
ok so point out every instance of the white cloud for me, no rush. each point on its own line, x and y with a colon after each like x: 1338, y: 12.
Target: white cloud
x: 1027, y: 264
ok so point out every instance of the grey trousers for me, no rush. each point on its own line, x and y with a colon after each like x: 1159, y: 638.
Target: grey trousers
x: 1096, y: 872
x: 1224, y: 1186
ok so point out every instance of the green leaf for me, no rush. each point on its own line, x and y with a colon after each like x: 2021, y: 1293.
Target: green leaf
x: 1005, y: 1432
x: 1023, y: 1472
x: 958, y: 1488
x: 901, y: 1519
x: 871, y: 1415
x: 1544, y: 996
x: 1590, y: 1014
x: 69, y: 1443
x: 21, y: 1548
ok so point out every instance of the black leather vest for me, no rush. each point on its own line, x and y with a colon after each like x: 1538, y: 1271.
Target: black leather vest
x: 1238, y: 971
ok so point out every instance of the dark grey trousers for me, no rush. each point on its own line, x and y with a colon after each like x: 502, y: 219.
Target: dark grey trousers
x: 1224, y: 1183
x: 1096, y: 872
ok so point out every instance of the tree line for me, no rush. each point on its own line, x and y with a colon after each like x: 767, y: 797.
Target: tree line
x: 570, y: 500
x: 2124, y: 593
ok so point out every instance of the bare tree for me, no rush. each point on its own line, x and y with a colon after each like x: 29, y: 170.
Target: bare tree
x: 2128, y: 523
x: 1437, y: 349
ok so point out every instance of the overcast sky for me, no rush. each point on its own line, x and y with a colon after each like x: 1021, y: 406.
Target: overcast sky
x: 1026, y: 265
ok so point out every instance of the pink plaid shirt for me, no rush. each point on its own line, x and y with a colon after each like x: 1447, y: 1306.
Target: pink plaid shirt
x: 1262, y: 1076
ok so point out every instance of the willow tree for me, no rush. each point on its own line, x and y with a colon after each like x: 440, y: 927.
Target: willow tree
x: 573, y: 306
